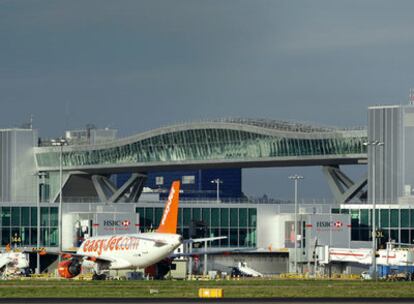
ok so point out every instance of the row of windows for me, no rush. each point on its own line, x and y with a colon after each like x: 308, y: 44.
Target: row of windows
x: 212, y: 217
x: 384, y: 218
x: 238, y: 224
x: 384, y: 235
x: 27, y: 216
x: 19, y: 226
x: 392, y: 224
x: 27, y: 236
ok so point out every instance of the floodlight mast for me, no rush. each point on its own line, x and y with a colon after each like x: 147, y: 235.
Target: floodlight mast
x: 60, y: 142
x: 374, y: 145
x: 295, y: 178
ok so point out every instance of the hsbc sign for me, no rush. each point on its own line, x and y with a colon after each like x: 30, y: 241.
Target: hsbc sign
x: 329, y: 224
x: 329, y: 229
x: 118, y: 223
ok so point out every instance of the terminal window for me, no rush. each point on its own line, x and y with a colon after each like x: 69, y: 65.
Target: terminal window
x: 188, y: 179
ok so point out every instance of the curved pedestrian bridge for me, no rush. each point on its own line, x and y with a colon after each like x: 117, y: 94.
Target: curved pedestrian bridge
x: 216, y: 143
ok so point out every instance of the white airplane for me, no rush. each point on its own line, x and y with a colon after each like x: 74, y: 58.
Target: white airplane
x: 128, y: 251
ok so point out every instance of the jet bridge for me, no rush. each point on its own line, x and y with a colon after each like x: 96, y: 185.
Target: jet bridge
x: 394, y: 255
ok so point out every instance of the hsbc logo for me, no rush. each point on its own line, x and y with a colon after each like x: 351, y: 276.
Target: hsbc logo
x: 329, y: 224
x: 117, y: 223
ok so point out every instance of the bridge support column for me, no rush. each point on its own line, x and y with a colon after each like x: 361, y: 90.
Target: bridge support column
x: 129, y: 191
x: 342, y: 187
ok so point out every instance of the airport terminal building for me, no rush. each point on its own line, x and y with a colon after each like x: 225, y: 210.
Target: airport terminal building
x: 108, y: 185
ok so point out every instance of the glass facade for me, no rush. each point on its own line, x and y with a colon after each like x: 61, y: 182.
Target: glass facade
x: 19, y: 226
x: 238, y: 224
x: 212, y: 141
x: 392, y: 223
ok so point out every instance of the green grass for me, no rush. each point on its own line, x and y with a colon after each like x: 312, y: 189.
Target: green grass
x: 189, y: 289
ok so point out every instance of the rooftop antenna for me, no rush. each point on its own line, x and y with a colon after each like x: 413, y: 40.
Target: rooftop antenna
x: 411, y: 99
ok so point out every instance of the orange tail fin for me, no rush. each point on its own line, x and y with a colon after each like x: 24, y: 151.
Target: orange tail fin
x: 168, y: 222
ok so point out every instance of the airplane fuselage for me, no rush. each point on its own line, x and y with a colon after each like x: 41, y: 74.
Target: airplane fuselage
x: 130, y: 251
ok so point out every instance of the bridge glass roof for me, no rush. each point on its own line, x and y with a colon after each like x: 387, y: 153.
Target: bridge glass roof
x: 240, y: 140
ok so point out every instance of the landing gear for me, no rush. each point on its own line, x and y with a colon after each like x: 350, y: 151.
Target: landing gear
x: 100, y: 277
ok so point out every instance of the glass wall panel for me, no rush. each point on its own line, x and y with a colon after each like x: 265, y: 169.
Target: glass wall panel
x: 405, y: 218
x: 33, y: 216
x: 44, y: 216
x: 44, y: 236
x: 54, y: 237
x: 412, y: 218
x: 196, y: 214
x: 158, y: 216
x: 215, y: 217
x: 5, y: 236
x: 180, y: 217
x: 364, y: 220
x: 186, y: 216
x: 405, y: 236
x: 355, y: 234
x: 54, y: 216
x: 234, y: 237
x: 15, y: 216
x: 5, y: 216
x: 252, y: 238
x: 16, y: 238
x: 243, y: 237
x: 377, y: 217
x: 364, y: 234
x: 385, y: 237
x: 252, y: 217
x: 224, y: 232
x: 213, y: 233
x: 25, y: 216
x: 224, y: 217
x: 234, y: 217
x: 385, y: 218
x: 149, y: 218
x: 242, y: 217
x: 33, y: 236
x: 206, y: 216
x: 25, y: 235
x: 394, y: 235
x: 186, y: 233
x: 141, y: 213
x: 394, y: 220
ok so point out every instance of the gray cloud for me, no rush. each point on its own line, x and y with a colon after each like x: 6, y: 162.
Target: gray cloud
x: 136, y: 65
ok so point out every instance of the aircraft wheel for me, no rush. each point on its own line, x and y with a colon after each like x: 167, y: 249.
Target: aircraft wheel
x: 99, y: 277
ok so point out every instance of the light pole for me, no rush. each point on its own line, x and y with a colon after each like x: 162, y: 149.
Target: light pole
x: 296, y: 178
x: 218, y: 182
x: 374, y: 144
x: 41, y: 176
x: 60, y: 142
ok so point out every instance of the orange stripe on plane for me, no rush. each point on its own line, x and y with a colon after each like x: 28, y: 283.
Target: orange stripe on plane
x: 168, y: 222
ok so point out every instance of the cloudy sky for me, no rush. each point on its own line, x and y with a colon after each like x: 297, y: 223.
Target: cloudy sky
x: 137, y: 65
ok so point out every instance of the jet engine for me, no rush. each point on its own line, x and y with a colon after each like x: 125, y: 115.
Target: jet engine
x: 69, y: 268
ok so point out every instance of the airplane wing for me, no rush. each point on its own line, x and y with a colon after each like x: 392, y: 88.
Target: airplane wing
x: 67, y: 254
x: 211, y: 251
x: 199, y: 240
